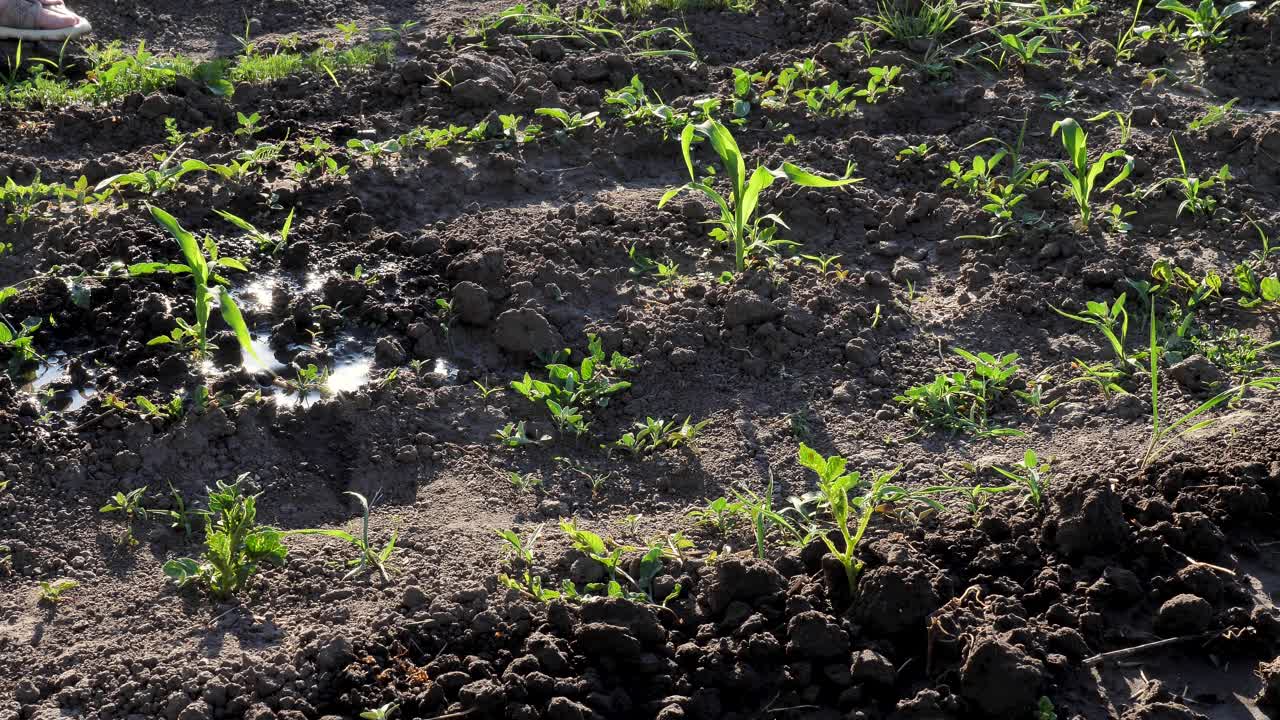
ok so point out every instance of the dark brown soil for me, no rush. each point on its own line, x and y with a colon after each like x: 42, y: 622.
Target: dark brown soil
x: 954, y: 616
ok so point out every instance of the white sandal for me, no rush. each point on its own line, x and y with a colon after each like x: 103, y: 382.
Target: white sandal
x: 18, y: 21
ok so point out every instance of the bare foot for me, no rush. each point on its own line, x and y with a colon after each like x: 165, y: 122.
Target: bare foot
x: 39, y: 20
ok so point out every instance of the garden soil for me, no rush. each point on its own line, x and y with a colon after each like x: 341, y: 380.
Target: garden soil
x: 955, y: 615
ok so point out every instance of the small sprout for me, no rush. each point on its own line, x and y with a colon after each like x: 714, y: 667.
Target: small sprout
x: 515, y: 435
x: 235, y: 544
x: 51, y: 592
x: 1031, y: 475
x: 1080, y: 174
x: 369, y: 556
x: 381, y: 713
x: 524, y: 482
x: 916, y: 151
x: 130, y: 505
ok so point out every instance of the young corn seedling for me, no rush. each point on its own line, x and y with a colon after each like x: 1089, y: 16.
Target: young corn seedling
x: 1164, y: 435
x: 267, y: 242
x: 1081, y: 175
x: 235, y: 544
x: 1206, y: 24
x: 738, y: 222
x: 1031, y: 475
x: 1194, y: 196
x: 369, y: 557
x: 204, y: 279
x: 52, y: 592
x: 166, y: 175
x: 130, y: 506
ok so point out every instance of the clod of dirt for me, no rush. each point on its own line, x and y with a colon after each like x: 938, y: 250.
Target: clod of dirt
x: 1197, y: 373
x: 815, y: 635
x: 892, y: 600
x: 1001, y: 679
x: 1092, y: 523
x: 1183, y: 614
x: 471, y: 304
x: 871, y: 667
x: 744, y: 580
x: 746, y: 308
x: 524, y: 330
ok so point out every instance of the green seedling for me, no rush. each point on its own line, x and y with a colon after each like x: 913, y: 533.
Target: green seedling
x: 1113, y: 322
x: 180, y: 515
x: 266, y: 242
x: 880, y: 83
x: 1080, y: 174
x: 515, y: 435
x: 1206, y: 24
x: 235, y: 544
x: 375, y: 151
x: 917, y: 151
x: 1194, y: 196
x: 570, y: 393
x: 570, y: 122
x: 171, y: 410
x: 380, y: 713
x: 718, y: 515
x: 960, y: 401
x: 738, y: 222
x: 204, y: 279
x: 250, y: 125
x: 666, y: 270
x: 19, y: 344
x: 309, y: 380
x: 485, y: 390
x: 52, y: 592
x: 130, y: 506
x: 1164, y: 435
x: 1256, y: 289
x: 1031, y: 475
x: 910, y: 21
x: 1103, y: 375
x: 834, y: 486
x: 1028, y: 51
x: 527, y: 583
x: 1215, y: 115
x: 369, y: 557
x: 1123, y: 120
x: 165, y: 176
x: 979, y: 178
x: 524, y: 482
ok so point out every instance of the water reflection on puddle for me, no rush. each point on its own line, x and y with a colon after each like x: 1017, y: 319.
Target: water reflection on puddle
x: 54, y: 370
